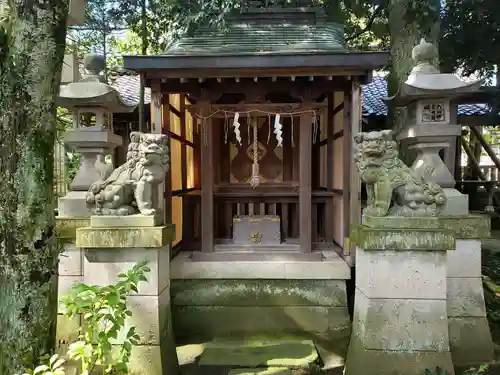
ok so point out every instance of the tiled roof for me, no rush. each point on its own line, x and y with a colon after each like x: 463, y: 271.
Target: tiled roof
x: 255, y: 31
x: 375, y: 91
x: 373, y: 105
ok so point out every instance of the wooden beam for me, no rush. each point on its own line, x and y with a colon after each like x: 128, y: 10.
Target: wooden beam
x: 305, y: 206
x: 207, y: 183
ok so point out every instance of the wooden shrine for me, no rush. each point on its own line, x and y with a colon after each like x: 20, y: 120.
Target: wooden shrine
x: 260, y: 118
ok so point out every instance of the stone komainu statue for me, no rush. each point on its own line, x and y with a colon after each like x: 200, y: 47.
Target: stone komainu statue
x: 132, y: 188
x: 392, y: 187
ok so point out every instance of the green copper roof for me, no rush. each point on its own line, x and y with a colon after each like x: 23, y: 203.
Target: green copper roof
x: 262, y: 33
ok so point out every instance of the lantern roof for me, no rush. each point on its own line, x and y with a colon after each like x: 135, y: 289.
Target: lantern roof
x: 93, y: 91
x: 426, y: 81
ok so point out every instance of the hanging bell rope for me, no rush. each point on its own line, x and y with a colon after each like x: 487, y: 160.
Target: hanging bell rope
x: 255, y: 181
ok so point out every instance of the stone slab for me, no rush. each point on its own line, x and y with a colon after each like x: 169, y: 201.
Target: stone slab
x: 286, y: 353
x: 470, y: 341
x: 66, y: 332
x: 133, y: 221
x: 104, y: 266
x: 397, y: 274
x: 90, y: 238
x: 465, y: 297
x: 456, y: 203
x: 259, y: 353
x: 465, y: 261
x: 370, y: 238
x: 261, y: 371
x: 401, y: 324
x: 383, y: 362
x: 209, y: 322
x: 256, y: 255
x: 331, y: 267
x: 71, y: 261
x: 73, y: 204
x: 66, y: 227
x: 154, y: 359
x: 464, y: 227
x: 238, y: 292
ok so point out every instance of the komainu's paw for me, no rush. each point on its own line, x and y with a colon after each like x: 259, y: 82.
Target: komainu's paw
x: 148, y: 211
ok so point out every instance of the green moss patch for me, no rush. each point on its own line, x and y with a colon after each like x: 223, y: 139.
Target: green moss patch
x: 293, y: 354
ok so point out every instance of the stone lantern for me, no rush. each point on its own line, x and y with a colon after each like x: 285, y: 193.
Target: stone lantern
x: 428, y: 95
x: 92, y: 102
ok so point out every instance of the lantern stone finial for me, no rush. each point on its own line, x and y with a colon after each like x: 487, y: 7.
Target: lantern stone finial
x: 424, y: 56
x: 94, y: 64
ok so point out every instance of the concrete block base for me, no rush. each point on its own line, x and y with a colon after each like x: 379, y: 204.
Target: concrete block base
x: 362, y: 361
x: 470, y: 341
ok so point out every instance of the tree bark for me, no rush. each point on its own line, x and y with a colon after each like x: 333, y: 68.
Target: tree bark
x: 409, y: 21
x: 32, y: 43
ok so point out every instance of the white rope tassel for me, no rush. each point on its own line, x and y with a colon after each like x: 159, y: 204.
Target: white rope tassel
x: 255, y: 181
x: 278, y: 130
x: 236, y: 126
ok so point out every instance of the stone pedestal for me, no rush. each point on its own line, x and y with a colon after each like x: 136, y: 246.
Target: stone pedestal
x: 470, y: 338
x: 111, y: 251
x: 400, y: 320
x: 70, y: 273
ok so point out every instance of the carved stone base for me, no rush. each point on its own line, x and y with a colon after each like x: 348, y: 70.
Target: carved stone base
x: 97, y: 221
x: 256, y: 230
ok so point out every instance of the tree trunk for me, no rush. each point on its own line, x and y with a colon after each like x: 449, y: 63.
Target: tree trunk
x: 409, y: 21
x: 32, y: 43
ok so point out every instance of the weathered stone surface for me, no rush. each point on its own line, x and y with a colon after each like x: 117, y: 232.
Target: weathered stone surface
x: 153, y: 359
x: 66, y: 227
x: 397, y: 274
x: 402, y: 239
x: 71, y: 261
x: 362, y: 361
x: 465, y: 261
x: 464, y: 227
x: 239, y: 292
x: 150, y: 316
x: 259, y: 353
x: 124, y: 237
x: 401, y: 324
x: 470, y: 341
x: 208, y: 322
x: 104, y: 265
x: 332, y: 267
x: 132, y: 221
x: 465, y: 297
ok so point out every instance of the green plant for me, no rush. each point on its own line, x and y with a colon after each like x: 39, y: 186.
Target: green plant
x: 54, y: 367
x: 104, y: 311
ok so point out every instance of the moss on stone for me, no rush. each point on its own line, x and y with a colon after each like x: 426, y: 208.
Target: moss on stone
x: 66, y: 227
x: 255, y: 353
x: 402, y: 239
x: 258, y: 293
x: 124, y: 237
x: 464, y: 227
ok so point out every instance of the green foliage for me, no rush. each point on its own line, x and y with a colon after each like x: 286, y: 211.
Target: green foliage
x: 104, y: 311
x: 53, y: 367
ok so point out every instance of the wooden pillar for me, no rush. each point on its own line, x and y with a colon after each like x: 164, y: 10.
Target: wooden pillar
x: 329, y: 168
x: 355, y: 181
x: 158, y: 127
x: 207, y: 182
x: 305, y: 207
x: 346, y: 177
